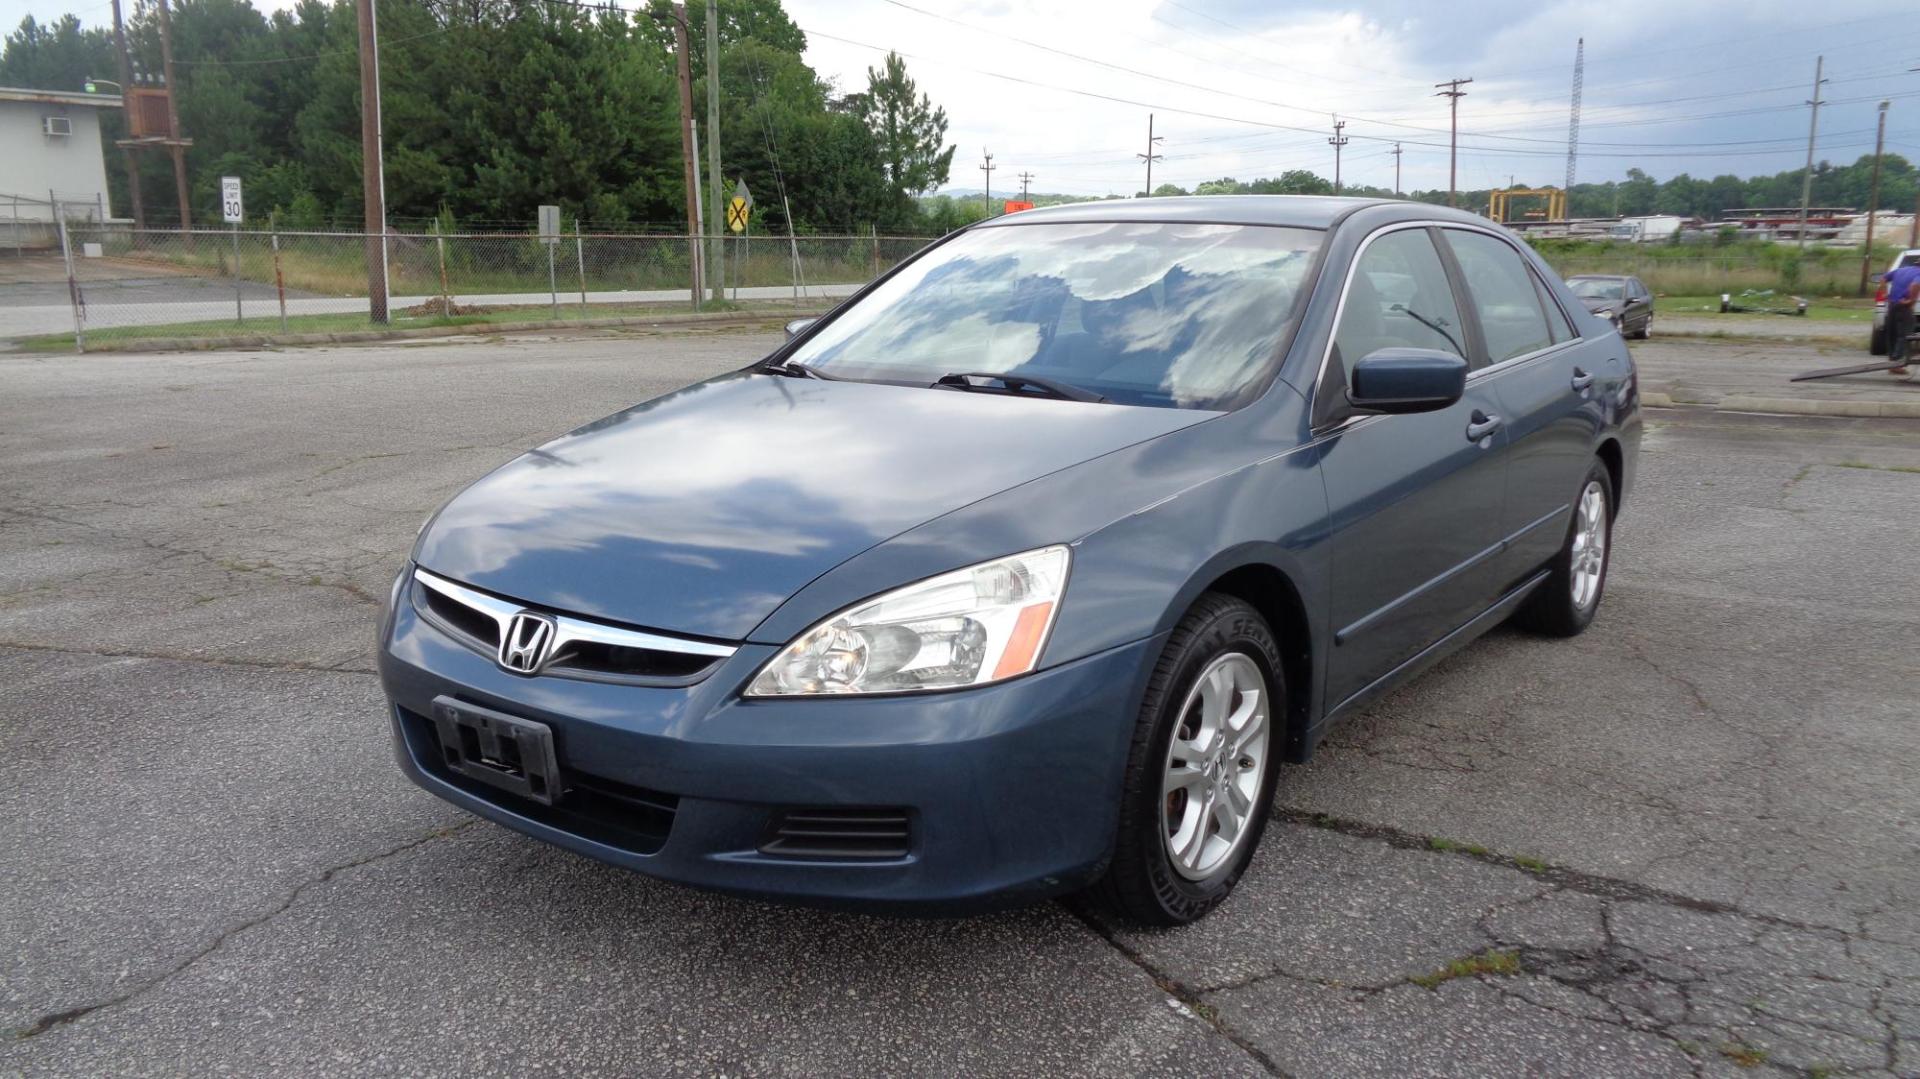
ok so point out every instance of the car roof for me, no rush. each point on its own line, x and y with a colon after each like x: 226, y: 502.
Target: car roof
x: 1598, y: 277
x: 1300, y: 211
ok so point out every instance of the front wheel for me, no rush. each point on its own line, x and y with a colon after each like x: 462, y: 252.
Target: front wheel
x: 1646, y: 329
x: 1877, y: 342
x: 1202, y: 767
x: 1564, y: 604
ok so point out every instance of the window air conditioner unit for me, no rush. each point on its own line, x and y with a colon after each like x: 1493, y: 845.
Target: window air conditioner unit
x: 56, y: 125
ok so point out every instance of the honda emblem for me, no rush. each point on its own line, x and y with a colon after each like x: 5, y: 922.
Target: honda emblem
x: 525, y: 643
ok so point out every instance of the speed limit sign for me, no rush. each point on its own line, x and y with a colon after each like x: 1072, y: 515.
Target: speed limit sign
x: 230, y: 205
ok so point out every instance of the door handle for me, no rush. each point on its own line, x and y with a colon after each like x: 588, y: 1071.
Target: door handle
x: 1581, y: 380
x: 1481, y: 425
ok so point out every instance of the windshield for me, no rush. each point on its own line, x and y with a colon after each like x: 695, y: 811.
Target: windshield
x: 1593, y: 288
x: 1182, y: 316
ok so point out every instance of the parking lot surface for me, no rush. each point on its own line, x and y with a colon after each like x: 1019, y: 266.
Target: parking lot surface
x: 1687, y: 842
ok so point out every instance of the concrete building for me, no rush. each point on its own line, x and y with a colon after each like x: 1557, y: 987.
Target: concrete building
x: 51, y: 152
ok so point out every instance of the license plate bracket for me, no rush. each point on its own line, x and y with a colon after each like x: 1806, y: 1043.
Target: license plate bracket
x: 513, y: 754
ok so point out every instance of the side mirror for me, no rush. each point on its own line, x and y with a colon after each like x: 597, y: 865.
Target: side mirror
x: 1400, y: 380
x: 799, y: 326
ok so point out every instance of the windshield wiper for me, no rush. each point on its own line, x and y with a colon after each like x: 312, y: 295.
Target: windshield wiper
x: 1436, y: 325
x: 795, y: 369
x: 1065, y: 391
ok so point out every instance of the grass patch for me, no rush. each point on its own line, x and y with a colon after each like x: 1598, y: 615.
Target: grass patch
x: 1531, y: 865
x: 1451, y: 846
x: 222, y: 329
x: 1819, y: 308
x: 1504, y: 964
x: 1876, y: 468
x: 1747, y: 1056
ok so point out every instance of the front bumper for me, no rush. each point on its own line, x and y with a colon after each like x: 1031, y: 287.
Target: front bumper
x: 1011, y: 790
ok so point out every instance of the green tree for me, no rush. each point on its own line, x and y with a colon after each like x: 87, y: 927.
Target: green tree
x: 56, y: 56
x: 908, y: 130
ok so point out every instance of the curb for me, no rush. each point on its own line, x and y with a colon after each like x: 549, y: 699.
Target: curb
x: 256, y: 341
x: 1792, y: 406
x: 1877, y: 409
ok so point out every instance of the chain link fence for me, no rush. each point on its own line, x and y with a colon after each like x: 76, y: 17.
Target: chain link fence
x: 122, y: 283
x: 1815, y: 274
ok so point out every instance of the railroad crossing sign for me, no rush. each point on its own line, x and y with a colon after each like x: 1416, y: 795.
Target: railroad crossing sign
x: 231, y: 207
x: 738, y: 207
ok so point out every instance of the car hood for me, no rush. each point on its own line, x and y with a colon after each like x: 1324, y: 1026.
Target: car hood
x: 701, y: 511
x: 1601, y: 307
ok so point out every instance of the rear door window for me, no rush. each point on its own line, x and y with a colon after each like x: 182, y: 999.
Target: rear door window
x: 1511, y: 318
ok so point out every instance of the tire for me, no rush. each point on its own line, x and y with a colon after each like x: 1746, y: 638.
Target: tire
x: 1221, y: 637
x: 1646, y: 329
x: 1565, y: 603
x: 1877, y: 343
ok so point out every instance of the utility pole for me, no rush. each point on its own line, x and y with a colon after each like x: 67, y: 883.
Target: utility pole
x: 1150, y: 157
x: 1337, y: 141
x: 1025, y: 179
x: 1396, y: 170
x: 127, y: 107
x: 716, y: 206
x: 1873, y: 198
x: 1453, y: 93
x: 373, y: 182
x: 987, y: 166
x: 1573, y: 113
x: 1813, y: 132
x: 176, y: 141
x: 684, y: 76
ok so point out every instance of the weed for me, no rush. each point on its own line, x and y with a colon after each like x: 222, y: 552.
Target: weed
x: 1531, y: 865
x: 1439, y: 844
x: 1747, y: 1056
x: 1505, y: 964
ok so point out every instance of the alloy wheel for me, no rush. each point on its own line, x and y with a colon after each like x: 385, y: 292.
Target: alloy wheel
x: 1216, y: 763
x: 1589, y: 545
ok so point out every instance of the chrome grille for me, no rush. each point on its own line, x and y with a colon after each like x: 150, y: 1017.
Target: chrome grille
x: 581, y: 648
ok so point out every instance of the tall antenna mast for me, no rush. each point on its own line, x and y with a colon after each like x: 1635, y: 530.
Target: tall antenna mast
x: 1573, y: 117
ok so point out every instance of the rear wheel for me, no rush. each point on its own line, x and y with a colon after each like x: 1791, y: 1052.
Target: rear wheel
x: 1202, y: 767
x: 1564, y: 604
x: 1877, y: 343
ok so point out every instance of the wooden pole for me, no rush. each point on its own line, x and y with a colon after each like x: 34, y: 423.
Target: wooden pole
x: 126, y: 110
x: 716, y: 210
x: 175, y: 137
x: 1873, y: 200
x: 372, y: 173
x: 685, y: 73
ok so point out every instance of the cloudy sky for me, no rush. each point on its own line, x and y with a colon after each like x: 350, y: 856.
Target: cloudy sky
x: 1062, y: 88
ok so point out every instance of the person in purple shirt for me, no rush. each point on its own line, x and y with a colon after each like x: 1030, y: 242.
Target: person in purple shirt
x: 1901, y: 294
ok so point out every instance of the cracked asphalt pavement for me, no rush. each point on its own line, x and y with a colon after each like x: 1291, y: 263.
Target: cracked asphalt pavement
x: 1685, y: 843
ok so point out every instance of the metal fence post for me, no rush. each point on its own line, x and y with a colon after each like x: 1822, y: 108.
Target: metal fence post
x: 73, y: 288
x: 440, y: 251
x: 279, y: 279
x: 874, y: 237
x: 553, y: 288
x: 580, y: 260
x: 237, y: 316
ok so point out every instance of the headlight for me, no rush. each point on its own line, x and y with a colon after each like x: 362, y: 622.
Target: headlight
x: 966, y: 628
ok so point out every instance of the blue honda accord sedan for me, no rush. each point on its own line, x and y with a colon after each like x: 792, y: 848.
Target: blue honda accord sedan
x: 1022, y: 570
